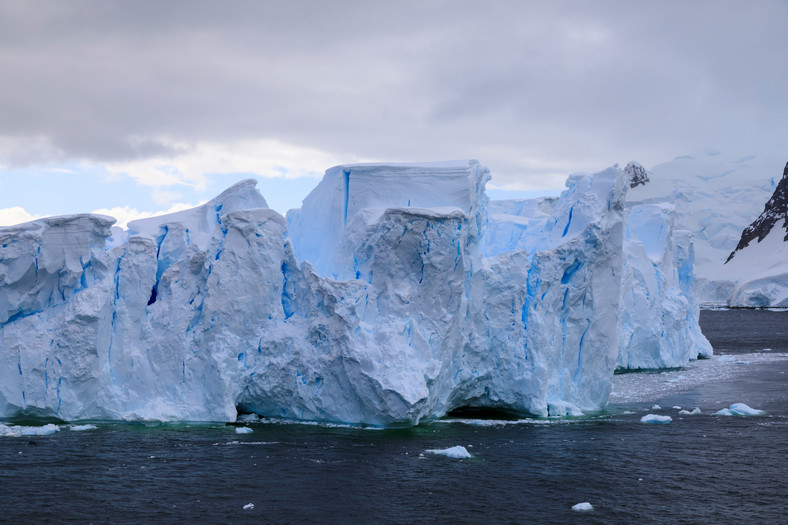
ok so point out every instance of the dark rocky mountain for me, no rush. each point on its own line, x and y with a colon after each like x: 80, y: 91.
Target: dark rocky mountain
x: 638, y: 176
x: 776, y: 210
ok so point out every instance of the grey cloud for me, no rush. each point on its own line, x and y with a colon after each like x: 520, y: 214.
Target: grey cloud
x: 576, y: 82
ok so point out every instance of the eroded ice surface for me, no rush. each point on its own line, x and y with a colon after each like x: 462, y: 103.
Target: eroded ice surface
x: 393, y: 295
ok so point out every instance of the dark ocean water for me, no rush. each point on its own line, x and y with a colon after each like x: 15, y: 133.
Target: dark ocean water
x: 697, y: 469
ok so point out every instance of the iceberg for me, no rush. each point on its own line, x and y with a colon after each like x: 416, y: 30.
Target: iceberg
x: 397, y: 293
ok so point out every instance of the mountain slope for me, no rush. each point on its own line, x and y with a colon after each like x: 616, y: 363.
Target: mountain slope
x: 776, y: 209
x: 759, y: 264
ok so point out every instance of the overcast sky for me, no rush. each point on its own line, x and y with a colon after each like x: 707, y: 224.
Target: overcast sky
x: 148, y: 104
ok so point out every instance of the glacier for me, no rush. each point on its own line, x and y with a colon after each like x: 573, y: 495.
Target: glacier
x: 716, y: 195
x: 396, y: 293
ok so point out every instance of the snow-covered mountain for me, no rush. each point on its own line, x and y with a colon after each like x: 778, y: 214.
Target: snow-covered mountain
x: 759, y: 264
x: 715, y: 197
x: 396, y: 293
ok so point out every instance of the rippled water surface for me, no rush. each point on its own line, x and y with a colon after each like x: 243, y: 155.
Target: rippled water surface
x: 697, y: 469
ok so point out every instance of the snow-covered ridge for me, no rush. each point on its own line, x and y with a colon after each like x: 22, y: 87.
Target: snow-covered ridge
x: 775, y: 210
x: 396, y: 293
x: 759, y: 264
x: 715, y: 196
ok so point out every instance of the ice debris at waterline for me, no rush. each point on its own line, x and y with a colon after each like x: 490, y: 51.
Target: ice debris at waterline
x: 243, y: 430
x: 739, y: 409
x: 82, y: 428
x: 396, y: 293
x: 458, y: 452
x: 655, y: 419
x: 18, y: 431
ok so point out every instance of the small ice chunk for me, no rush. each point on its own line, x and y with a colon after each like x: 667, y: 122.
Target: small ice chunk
x: 694, y: 412
x: 656, y: 419
x: 81, y: 428
x: 582, y: 507
x: 739, y: 409
x: 243, y: 430
x: 249, y: 506
x: 458, y: 452
x: 656, y: 407
x: 676, y: 407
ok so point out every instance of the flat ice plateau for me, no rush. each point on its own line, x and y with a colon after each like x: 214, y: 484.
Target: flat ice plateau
x: 396, y: 293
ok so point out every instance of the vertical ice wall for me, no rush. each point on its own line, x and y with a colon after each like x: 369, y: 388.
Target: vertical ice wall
x: 658, y: 319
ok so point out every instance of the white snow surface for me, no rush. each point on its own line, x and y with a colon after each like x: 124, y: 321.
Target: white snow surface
x: 391, y: 296
x: 458, y: 452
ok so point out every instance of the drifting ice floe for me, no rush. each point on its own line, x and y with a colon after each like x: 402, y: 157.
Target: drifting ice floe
x: 582, y: 507
x: 18, y: 431
x: 458, y: 452
x: 739, y: 409
x: 655, y: 419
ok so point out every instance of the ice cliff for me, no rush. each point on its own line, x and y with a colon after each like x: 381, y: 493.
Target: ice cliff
x: 396, y: 293
x: 658, y: 318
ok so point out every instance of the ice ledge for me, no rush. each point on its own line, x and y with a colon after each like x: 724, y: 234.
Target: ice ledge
x: 98, y: 220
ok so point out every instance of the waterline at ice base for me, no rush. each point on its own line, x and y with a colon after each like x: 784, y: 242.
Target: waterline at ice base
x: 396, y: 293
